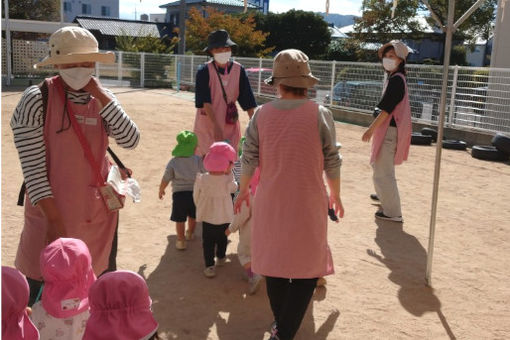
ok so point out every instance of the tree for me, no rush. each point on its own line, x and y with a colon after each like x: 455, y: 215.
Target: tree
x: 149, y: 44
x: 342, y: 50
x: 46, y: 10
x: 302, y: 30
x: 250, y: 42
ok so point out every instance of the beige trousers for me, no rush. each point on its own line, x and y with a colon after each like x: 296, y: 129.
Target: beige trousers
x: 385, y: 182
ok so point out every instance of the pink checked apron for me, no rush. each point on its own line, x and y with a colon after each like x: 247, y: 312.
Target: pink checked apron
x: 72, y: 182
x: 289, y: 230
x: 402, y: 115
x: 204, y: 129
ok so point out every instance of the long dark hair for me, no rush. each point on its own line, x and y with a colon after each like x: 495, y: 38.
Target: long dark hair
x: 401, y: 67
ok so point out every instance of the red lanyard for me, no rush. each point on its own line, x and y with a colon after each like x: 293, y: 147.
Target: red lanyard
x: 83, y: 141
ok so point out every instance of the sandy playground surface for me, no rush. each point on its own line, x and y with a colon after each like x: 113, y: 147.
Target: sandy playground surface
x: 378, y: 290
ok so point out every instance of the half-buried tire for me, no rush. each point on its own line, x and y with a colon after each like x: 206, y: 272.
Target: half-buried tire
x: 418, y: 139
x: 488, y: 153
x: 453, y: 144
x: 502, y: 143
x: 430, y: 132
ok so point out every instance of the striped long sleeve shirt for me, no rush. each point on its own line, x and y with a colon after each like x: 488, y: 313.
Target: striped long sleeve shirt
x: 27, y: 124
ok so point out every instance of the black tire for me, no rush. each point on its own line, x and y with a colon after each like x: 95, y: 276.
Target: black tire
x: 419, y: 139
x: 488, y: 153
x: 502, y: 143
x: 430, y: 132
x: 453, y: 144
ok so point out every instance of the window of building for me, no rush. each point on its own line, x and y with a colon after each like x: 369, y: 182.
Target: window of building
x: 105, y: 11
x: 86, y: 8
x: 67, y: 7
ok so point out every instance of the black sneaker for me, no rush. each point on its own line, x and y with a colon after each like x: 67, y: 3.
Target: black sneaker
x: 374, y: 197
x: 381, y: 216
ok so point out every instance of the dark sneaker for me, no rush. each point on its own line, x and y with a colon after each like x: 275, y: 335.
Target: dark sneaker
x: 374, y: 197
x: 381, y: 216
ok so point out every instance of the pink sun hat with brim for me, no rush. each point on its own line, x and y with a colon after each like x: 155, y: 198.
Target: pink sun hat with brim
x: 16, y: 324
x: 66, y: 267
x: 219, y: 157
x: 120, y: 308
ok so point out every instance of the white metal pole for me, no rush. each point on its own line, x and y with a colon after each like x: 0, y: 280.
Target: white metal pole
x: 119, y: 67
x: 439, y: 145
x: 260, y: 76
x: 332, y: 86
x: 454, y: 93
x: 142, y: 69
x: 191, y: 68
x: 8, y: 42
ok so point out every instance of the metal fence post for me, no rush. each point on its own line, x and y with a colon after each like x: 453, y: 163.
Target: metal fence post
x: 178, y: 87
x: 119, y: 67
x: 260, y: 76
x: 142, y: 69
x: 176, y: 60
x: 454, y: 94
x: 333, y: 70
x: 191, y: 68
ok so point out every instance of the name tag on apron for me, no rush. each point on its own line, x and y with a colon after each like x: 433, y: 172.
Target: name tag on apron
x: 91, y: 121
x: 80, y: 119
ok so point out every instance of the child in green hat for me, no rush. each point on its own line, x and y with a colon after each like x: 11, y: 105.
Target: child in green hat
x: 182, y: 170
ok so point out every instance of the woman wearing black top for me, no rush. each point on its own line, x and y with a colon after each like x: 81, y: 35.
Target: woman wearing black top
x: 391, y: 131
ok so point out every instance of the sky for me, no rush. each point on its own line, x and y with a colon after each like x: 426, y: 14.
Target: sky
x: 129, y: 7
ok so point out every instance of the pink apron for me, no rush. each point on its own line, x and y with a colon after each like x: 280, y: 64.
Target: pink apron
x: 72, y: 182
x: 289, y: 230
x: 402, y: 115
x: 203, y: 127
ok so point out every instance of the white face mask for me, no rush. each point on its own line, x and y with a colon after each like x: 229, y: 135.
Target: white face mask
x: 223, y: 57
x: 76, y: 77
x: 389, y: 64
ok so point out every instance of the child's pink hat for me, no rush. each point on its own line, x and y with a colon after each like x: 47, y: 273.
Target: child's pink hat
x: 66, y: 267
x: 120, y: 308
x: 219, y: 157
x: 16, y: 324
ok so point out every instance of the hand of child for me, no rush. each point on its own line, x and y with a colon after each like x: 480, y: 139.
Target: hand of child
x: 367, y: 135
x: 161, y: 193
x: 227, y: 232
x: 125, y: 173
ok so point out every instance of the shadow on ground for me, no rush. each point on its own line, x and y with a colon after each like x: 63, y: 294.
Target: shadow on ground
x: 404, y: 255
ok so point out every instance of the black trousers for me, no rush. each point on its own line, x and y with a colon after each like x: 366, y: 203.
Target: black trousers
x: 289, y: 299
x: 213, y: 240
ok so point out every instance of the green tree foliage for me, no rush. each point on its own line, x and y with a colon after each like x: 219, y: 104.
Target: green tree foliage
x: 342, y: 50
x: 242, y: 29
x: 302, y: 30
x: 458, y: 56
x: 46, y: 10
x: 149, y: 44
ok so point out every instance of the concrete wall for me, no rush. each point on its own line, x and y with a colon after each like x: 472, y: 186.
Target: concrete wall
x: 95, y: 7
x: 501, y: 47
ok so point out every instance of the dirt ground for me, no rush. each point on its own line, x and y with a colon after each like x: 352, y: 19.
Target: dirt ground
x: 378, y: 290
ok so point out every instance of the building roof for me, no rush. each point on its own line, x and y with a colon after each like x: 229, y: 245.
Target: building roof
x: 235, y: 3
x: 119, y: 27
x: 336, y: 33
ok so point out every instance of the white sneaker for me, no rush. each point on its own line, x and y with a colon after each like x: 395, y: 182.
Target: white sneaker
x: 210, y: 272
x: 180, y: 244
x: 254, y: 283
x: 221, y: 262
x: 189, y: 235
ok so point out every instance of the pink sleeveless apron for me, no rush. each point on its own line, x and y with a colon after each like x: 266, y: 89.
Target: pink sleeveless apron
x: 72, y: 182
x: 402, y: 115
x: 203, y: 128
x: 289, y: 230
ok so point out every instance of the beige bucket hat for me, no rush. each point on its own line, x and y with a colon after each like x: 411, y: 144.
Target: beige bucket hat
x: 401, y: 49
x: 291, y: 68
x: 72, y: 44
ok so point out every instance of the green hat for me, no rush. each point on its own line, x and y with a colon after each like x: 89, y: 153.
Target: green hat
x: 186, y: 144
x: 241, y: 142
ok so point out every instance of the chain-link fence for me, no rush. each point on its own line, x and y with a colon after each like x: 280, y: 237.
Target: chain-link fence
x: 478, y: 98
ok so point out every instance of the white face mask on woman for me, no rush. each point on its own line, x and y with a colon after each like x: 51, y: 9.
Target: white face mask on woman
x: 76, y: 77
x: 390, y: 64
x: 223, y: 57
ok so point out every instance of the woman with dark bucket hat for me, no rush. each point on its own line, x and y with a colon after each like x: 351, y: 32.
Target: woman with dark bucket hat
x: 391, y: 131
x: 53, y: 125
x: 219, y: 84
x: 293, y: 141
